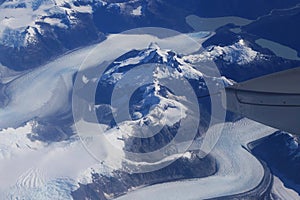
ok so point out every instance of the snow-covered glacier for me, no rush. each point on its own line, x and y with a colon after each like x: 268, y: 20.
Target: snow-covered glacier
x: 88, y: 164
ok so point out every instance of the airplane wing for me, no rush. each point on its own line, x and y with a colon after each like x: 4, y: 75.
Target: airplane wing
x: 273, y: 100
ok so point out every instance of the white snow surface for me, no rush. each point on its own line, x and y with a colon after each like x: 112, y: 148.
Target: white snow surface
x: 15, y: 141
x: 137, y: 11
x: 239, y: 53
x: 33, y: 170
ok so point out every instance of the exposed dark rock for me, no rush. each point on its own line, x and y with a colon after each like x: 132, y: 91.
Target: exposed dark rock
x: 281, y: 153
x: 88, y: 192
x: 122, y: 182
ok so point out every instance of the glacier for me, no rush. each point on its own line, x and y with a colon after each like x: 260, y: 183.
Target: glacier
x: 31, y: 169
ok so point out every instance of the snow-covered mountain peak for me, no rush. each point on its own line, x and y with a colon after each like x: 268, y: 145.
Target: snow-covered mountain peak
x: 154, y: 102
x: 238, y: 53
x: 171, y: 64
x: 22, y: 20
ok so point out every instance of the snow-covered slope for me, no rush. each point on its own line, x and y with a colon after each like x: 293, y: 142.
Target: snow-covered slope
x: 176, y: 66
x: 23, y: 21
x: 239, y: 53
x: 16, y: 141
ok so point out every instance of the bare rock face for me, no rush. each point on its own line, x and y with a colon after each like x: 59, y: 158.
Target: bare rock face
x: 122, y: 182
